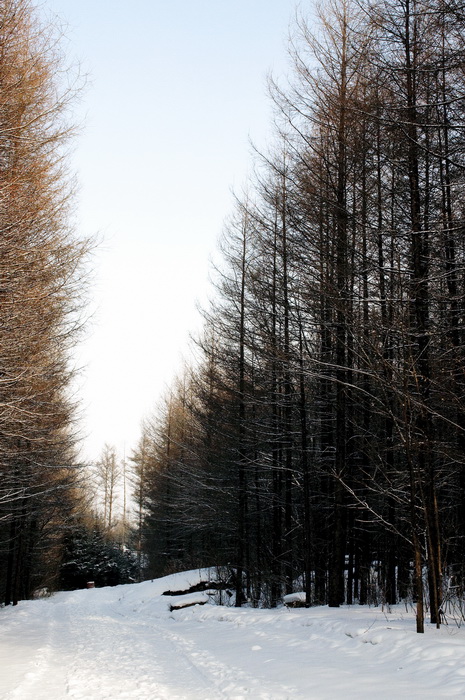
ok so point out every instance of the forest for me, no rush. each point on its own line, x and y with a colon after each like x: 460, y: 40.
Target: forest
x: 41, y: 302
x: 316, y: 442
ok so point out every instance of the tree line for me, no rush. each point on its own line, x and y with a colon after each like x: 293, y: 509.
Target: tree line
x: 41, y: 286
x: 318, y: 439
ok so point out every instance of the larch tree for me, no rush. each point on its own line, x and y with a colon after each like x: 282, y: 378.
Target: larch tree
x: 41, y: 276
x: 108, y: 473
x: 324, y: 425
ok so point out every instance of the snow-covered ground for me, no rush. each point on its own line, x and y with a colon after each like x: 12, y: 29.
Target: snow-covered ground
x: 124, y: 642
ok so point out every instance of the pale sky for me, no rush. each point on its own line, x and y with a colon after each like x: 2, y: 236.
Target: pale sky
x: 176, y: 89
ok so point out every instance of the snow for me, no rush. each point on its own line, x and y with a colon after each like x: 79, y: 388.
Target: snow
x: 123, y: 642
x: 297, y: 598
x: 184, y: 601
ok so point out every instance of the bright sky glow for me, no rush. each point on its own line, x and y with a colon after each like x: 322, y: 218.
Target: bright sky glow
x: 176, y: 90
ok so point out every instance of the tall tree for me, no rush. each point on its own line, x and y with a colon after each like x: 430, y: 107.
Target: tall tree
x: 41, y: 283
x: 109, y: 472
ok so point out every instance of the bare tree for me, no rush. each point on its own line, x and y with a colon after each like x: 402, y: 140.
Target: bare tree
x: 109, y: 472
x: 41, y: 277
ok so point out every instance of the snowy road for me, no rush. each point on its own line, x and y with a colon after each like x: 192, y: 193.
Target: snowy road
x: 124, y: 643
x: 86, y: 645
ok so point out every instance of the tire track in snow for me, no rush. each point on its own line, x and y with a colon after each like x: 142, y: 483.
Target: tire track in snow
x: 230, y: 682
x: 85, y: 652
x: 37, y: 664
x: 154, y: 662
x: 123, y: 657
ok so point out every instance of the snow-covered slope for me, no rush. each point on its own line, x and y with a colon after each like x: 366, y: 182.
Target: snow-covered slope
x: 124, y: 642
